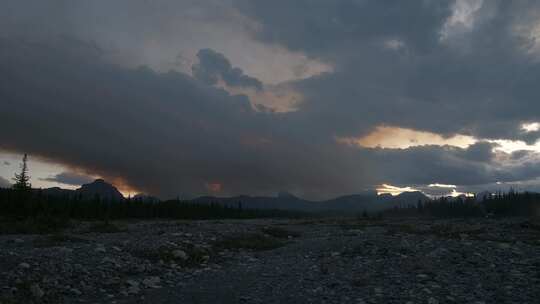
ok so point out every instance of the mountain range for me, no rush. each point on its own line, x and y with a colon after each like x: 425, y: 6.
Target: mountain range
x: 367, y: 200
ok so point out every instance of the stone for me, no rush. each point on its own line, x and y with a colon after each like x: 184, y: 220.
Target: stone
x: 36, y: 291
x: 152, y: 282
x: 108, y: 260
x: 66, y: 250
x: 179, y: 254
x: 75, y: 291
x: 132, y: 283
x: 24, y: 265
x: 433, y: 301
x: 504, y: 245
x: 133, y: 289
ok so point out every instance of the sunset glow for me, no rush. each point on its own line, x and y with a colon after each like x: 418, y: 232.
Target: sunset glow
x: 393, y: 190
x: 401, y: 138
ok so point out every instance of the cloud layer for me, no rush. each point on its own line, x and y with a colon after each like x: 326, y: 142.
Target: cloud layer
x: 115, y: 110
x: 477, y: 82
x: 161, y: 133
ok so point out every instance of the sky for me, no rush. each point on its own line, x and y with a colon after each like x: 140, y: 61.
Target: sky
x: 317, y: 98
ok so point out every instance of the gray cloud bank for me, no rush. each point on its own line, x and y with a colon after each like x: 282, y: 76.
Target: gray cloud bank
x: 478, y: 81
x: 213, y: 67
x: 162, y: 133
x: 172, y: 133
x: 69, y: 178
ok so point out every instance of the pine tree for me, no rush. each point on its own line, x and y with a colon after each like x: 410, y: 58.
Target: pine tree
x: 22, y: 180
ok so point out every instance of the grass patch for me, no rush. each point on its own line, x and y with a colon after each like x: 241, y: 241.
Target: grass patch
x: 34, y: 225
x: 255, y: 241
x: 57, y: 240
x: 194, y: 255
x: 280, y: 232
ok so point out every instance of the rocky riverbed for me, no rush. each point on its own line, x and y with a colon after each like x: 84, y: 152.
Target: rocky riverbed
x: 276, y: 261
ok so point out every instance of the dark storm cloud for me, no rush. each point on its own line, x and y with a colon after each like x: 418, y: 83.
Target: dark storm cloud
x: 163, y: 133
x: 322, y: 27
x: 479, y: 81
x: 480, y: 151
x: 475, y: 165
x: 69, y: 178
x: 170, y: 133
x: 213, y: 67
x: 167, y: 133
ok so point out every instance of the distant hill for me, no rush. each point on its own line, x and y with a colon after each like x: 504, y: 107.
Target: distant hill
x: 368, y: 201
x: 412, y: 197
x: 58, y: 192
x: 101, y: 189
x: 98, y: 188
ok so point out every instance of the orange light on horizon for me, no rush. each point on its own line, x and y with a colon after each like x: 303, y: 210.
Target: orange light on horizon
x: 214, y: 187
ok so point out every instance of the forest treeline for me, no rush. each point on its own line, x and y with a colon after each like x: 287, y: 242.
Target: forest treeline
x: 501, y: 204
x: 21, y: 204
x: 17, y: 203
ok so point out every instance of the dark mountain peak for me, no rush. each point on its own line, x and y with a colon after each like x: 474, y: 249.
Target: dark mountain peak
x: 100, y: 188
x: 285, y: 194
x: 370, y: 192
x: 413, y: 196
x: 385, y: 196
x: 57, y: 191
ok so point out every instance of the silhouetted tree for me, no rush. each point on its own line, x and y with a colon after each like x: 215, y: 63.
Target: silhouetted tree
x: 365, y: 214
x: 22, y: 180
x: 420, y: 206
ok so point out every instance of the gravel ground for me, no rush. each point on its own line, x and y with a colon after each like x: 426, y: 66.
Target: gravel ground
x: 276, y: 261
